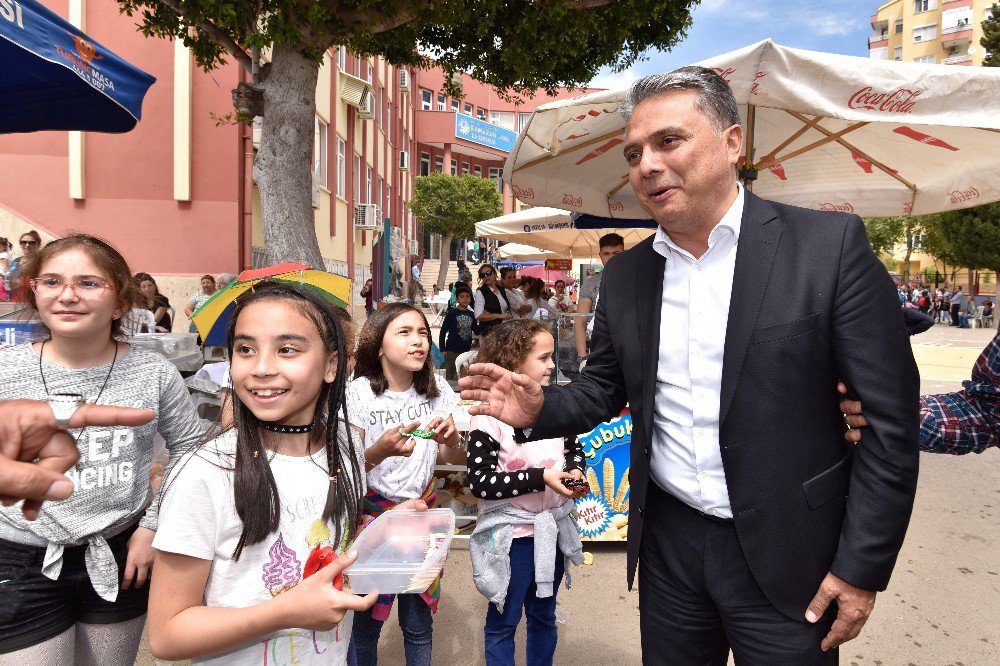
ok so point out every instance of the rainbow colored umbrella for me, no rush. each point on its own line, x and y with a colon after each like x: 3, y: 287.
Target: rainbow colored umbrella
x: 212, y: 318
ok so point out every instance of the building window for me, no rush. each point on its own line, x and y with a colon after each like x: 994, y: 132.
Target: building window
x: 442, y: 102
x: 388, y: 123
x: 319, y: 150
x: 898, y: 27
x: 388, y: 202
x: 356, y: 194
x: 465, y: 168
x: 425, y: 164
x: 379, y: 94
x: 454, y: 167
x: 481, y: 113
x: 920, y: 6
x: 467, y: 109
x: 478, y: 170
x: 368, y: 185
x: 425, y: 100
x: 367, y: 68
x: 925, y: 33
x: 439, y: 163
x: 522, y: 121
x: 357, y: 66
x: 454, y: 105
x: 341, y: 167
x: 342, y: 58
x: 496, y: 175
x: 897, y: 53
x: 927, y: 60
x: 503, y: 119
x: 380, y: 201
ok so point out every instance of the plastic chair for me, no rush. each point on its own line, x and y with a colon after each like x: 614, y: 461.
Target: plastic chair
x: 984, y: 321
x: 464, y: 360
x: 439, y: 305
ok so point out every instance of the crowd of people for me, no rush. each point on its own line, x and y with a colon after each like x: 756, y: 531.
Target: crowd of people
x: 739, y: 474
x: 957, y: 308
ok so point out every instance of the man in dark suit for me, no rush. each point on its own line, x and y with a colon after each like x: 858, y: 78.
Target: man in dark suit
x: 754, y: 526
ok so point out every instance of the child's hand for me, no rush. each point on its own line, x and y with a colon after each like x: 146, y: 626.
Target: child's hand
x: 554, y: 480
x: 444, y: 431
x: 395, y: 443
x: 316, y: 604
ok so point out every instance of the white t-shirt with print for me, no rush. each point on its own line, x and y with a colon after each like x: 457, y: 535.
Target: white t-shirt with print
x: 198, y: 518
x: 399, y: 477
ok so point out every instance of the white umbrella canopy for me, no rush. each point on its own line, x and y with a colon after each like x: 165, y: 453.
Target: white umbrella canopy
x: 824, y: 131
x: 522, y: 252
x: 554, y: 230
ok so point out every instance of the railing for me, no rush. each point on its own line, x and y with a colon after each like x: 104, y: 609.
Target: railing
x: 956, y: 28
x: 957, y: 59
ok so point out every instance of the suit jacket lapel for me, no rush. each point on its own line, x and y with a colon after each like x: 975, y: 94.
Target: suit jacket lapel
x: 760, y: 232
x: 649, y: 282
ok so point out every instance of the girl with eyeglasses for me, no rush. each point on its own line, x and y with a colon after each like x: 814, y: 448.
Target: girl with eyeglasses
x: 74, y: 571
x: 490, y: 303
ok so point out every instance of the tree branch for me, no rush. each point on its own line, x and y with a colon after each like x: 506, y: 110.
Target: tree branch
x: 590, y: 4
x: 217, y: 35
x: 373, y: 22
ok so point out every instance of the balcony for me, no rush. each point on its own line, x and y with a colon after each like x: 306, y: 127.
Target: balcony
x: 963, y: 59
x: 959, y: 36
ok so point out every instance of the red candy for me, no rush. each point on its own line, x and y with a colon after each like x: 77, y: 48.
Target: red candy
x: 319, y: 558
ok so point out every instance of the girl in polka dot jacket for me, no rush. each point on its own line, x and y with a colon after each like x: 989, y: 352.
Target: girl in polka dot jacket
x: 530, y: 476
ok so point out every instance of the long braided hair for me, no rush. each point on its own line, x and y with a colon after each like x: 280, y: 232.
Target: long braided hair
x: 254, y: 488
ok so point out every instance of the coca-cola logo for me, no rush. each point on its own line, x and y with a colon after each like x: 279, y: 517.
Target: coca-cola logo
x: 724, y: 73
x: 958, y: 196
x: 907, y: 207
x: 570, y: 200
x: 523, y: 193
x: 615, y: 205
x: 845, y: 207
x: 900, y: 100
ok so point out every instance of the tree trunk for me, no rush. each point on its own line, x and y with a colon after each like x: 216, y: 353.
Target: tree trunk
x: 283, y: 167
x: 445, y: 261
x: 906, y: 257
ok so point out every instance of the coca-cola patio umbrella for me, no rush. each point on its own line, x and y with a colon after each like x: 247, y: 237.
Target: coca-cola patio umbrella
x: 553, y: 229
x: 824, y: 131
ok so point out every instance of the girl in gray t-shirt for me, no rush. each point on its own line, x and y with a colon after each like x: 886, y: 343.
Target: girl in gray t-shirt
x: 74, y: 587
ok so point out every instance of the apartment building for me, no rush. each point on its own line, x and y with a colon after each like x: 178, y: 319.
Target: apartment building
x: 176, y: 194
x: 930, y: 31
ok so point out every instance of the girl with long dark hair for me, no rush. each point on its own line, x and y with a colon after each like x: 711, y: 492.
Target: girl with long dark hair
x: 248, y: 514
x: 395, y: 391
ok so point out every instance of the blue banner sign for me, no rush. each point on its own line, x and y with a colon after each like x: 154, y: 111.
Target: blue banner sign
x: 484, y: 133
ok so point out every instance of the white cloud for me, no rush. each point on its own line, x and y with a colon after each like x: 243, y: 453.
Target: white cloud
x: 608, y: 79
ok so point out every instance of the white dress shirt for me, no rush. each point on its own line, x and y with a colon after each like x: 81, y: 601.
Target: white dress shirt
x: 685, y: 459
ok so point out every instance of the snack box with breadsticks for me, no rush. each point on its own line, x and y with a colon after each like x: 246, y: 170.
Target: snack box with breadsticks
x: 602, y: 513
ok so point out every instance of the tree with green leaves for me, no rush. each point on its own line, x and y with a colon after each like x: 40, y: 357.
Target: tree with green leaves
x: 991, y: 38
x: 516, y: 46
x: 451, y: 205
x: 937, y: 245
x: 884, y: 233
x: 974, y: 236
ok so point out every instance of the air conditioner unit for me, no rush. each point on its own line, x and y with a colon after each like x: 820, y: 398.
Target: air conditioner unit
x: 404, y: 161
x: 316, y: 183
x: 413, y: 246
x: 367, y: 217
x: 404, y: 80
x: 366, y: 107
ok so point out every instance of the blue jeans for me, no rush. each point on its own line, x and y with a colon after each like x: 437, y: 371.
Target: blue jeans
x: 415, y: 620
x: 541, y: 613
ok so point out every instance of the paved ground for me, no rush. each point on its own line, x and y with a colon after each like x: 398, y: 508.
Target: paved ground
x: 941, y: 606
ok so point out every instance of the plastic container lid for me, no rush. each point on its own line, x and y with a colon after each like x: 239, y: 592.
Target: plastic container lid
x: 402, y: 551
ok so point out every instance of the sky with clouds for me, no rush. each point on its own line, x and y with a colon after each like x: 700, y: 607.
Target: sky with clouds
x: 720, y: 26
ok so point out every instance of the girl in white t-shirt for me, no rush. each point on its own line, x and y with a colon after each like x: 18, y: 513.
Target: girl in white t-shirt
x: 396, y: 391
x: 248, y: 516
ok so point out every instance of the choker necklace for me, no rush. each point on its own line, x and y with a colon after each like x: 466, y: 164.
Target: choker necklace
x: 278, y: 427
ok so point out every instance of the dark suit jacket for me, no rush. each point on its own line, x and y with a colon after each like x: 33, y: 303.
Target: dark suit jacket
x: 811, y: 304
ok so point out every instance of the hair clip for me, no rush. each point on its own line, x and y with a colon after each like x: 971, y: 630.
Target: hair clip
x: 256, y: 453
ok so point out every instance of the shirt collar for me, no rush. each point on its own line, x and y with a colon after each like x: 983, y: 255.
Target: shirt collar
x: 732, y: 220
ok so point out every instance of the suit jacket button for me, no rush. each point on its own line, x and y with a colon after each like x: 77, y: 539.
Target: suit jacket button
x: 640, y: 510
x: 647, y: 451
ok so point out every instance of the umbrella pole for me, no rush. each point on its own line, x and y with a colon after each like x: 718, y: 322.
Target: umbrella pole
x: 748, y: 172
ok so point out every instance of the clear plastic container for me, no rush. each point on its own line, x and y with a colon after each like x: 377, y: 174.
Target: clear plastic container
x: 402, y: 551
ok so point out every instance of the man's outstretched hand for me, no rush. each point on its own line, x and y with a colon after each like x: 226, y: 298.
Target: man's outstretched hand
x: 510, y: 397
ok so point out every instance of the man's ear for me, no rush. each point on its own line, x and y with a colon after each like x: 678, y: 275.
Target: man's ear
x: 734, y: 143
